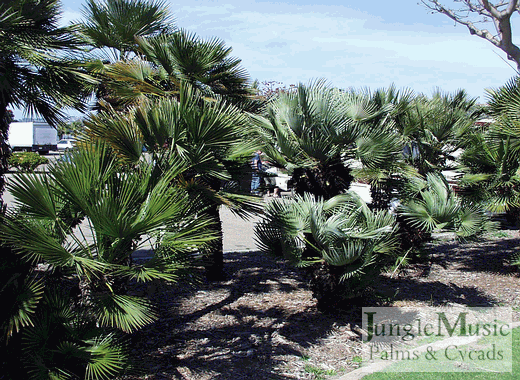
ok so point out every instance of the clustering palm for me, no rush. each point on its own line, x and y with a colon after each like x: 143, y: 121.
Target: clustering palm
x: 340, y: 240
x: 208, y: 136
x: 164, y: 65
x: 167, y: 60
x: 387, y: 175
x: 34, y: 70
x: 110, y: 28
x: 491, y: 160
x: 78, y: 227
x: 433, y: 129
x: 430, y: 205
x: 316, y: 129
x: 204, y: 64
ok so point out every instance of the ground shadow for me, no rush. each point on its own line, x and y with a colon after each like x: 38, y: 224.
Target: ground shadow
x: 493, y: 256
x: 434, y: 293
x: 262, y: 316
x: 242, y: 328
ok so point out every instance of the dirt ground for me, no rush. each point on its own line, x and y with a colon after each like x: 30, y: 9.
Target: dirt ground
x: 262, y: 323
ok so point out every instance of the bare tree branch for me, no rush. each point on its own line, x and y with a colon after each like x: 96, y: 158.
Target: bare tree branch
x: 499, y: 13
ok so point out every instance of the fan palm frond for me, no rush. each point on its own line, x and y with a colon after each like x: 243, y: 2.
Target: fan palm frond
x: 107, y: 358
x: 433, y: 206
x: 343, y: 230
x: 115, y: 24
x: 24, y: 306
x: 123, y: 312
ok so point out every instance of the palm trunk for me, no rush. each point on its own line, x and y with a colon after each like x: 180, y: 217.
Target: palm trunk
x: 382, y: 194
x: 326, y: 180
x: 4, y: 151
x: 215, y: 250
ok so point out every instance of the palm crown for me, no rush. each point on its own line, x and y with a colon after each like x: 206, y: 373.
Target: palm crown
x: 115, y: 24
x: 35, y: 72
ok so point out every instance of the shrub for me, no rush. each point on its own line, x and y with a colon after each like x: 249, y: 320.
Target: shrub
x: 27, y: 161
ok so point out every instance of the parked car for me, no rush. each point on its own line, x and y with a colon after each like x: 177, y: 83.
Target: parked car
x: 65, y: 144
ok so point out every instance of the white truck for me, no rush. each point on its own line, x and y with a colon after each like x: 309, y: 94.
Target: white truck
x: 32, y: 136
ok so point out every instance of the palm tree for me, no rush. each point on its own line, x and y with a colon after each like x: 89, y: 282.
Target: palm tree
x: 35, y: 72
x: 110, y: 28
x: 491, y: 159
x: 204, y: 64
x: 163, y: 64
x: 78, y: 227
x: 209, y: 137
x: 388, y: 175
x: 316, y: 131
x: 114, y: 25
x: 349, y: 243
x: 430, y: 205
x: 433, y: 129
x: 167, y: 60
x: 148, y: 56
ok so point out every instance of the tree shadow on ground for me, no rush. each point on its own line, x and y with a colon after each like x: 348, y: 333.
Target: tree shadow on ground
x: 263, y: 317
x: 434, y: 293
x: 247, y: 327
x: 452, y: 273
x: 493, y: 256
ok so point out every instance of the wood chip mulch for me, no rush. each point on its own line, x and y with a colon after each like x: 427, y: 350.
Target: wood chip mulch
x: 262, y: 322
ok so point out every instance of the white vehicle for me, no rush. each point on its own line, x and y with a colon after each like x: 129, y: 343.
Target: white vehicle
x: 281, y: 179
x: 32, y: 136
x: 65, y: 144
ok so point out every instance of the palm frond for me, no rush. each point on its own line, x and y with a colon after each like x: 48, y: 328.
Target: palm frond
x: 24, y: 306
x: 107, y: 358
x: 123, y: 312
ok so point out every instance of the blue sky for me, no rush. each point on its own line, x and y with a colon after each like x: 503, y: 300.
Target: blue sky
x: 352, y: 44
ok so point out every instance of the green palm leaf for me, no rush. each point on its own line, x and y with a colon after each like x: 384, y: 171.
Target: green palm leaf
x: 24, y: 306
x: 115, y: 24
x: 123, y: 312
x: 107, y: 358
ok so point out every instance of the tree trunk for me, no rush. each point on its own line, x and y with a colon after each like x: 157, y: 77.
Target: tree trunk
x: 4, y: 151
x: 382, y: 193
x: 215, y: 252
x: 326, y: 180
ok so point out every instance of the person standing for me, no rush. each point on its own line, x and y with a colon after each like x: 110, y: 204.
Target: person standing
x: 256, y: 165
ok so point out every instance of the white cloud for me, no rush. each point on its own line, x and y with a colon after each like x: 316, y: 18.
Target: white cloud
x: 374, y: 44
x: 68, y: 16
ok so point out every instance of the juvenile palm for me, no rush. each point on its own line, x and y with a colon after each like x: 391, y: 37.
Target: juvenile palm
x: 433, y: 129
x: 430, y: 205
x: 341, y: 242
x: 491, y: 173
x: 491, y: 160
x: 386, y: 176
x: 81, y: 224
